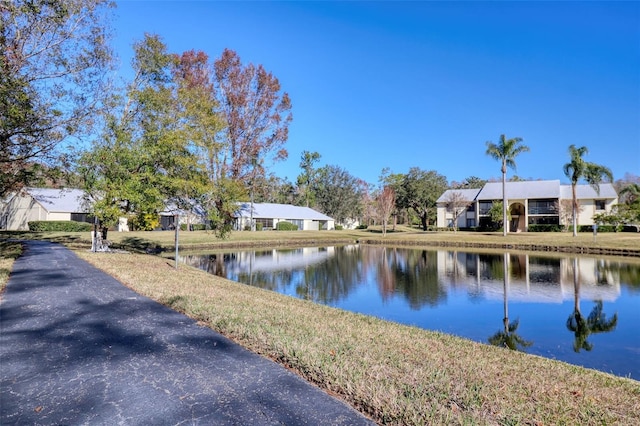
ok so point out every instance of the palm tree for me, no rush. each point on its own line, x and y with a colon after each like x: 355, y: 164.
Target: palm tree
x: 632, y: 192
x: 578, y: 169
x: 508, y: 336
x: 582, y: 327
x: 505, y: 151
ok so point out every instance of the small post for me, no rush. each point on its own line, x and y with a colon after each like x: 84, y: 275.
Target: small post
x: 176, y: 223
x: 94, y: 239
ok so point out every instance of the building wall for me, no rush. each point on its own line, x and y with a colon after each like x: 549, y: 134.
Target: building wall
x: 19, y: 211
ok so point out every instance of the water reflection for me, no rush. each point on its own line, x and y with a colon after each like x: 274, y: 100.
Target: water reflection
x: 464, y: 293
x: 508, y: 336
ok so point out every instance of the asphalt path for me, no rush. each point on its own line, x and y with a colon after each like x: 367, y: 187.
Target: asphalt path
x: 78, y: 347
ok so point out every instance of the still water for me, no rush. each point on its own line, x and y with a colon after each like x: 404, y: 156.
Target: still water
x: 578, y: 309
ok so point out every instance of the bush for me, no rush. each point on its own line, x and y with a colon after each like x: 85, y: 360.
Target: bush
x: 338, y: 228
x: 286, y: 226
x: 193, y: 226
x: 59, y: 225
x: 362, y: 226
x: 545, y: 228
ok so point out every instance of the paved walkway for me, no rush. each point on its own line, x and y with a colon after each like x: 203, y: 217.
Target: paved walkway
x: 77, y: 347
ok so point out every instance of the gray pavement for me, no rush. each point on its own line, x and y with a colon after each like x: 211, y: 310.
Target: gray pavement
x: 77, y: 347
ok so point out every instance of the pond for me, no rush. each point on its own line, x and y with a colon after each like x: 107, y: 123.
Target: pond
x: 578, y: 309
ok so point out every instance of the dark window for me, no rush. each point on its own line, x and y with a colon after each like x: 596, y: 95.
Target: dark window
x: 549, y: 206
x: 472, y: 207
x: 600, y: 204
x: 471, y: 223
x: 544, y: 220
x: 81, y: 217
x: 485, y: 206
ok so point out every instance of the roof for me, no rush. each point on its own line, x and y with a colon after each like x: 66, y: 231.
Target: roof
x: 59, y: 200
x: 587, y: 192
x: 521, y: 190
x: 467, y: 194
x: 279, y: 211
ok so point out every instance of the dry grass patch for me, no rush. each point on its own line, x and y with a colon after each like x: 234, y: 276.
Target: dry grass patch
x: 9, y: 252
x: 396, y: 374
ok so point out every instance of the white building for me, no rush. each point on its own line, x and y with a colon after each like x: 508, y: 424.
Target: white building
x: 35, y: 204
x: 529, y: 202
x: 269, y: 214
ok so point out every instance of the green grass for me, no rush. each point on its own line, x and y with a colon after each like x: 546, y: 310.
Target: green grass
x: 393, y: 373
x: 614, y: 243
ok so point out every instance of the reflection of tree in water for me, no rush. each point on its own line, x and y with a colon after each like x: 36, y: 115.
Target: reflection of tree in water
x: 582, y: 327
x: 212, y: 263
x: 333, y: 279
x: 417, y: 278
x: 508, y: 336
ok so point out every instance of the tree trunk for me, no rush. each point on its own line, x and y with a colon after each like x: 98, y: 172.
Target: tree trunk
x: 423, y: 219
x: 505, y: 223
x: 574, y: 208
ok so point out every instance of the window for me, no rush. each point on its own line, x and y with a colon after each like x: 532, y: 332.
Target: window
x: 471, y: 223
x: 549, y: 206
x: 600, y: 204
x: 485, y: 206
x: 266, y: 223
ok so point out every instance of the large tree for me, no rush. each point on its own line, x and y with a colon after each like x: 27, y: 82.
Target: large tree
x: 419, y: 191
x: 578, y: 169
x: 308, y: 175
x: 257, y: 115
x: 505, y: 151
x: 54, y: 56
x: 338, y: 194
x: 145, y: 157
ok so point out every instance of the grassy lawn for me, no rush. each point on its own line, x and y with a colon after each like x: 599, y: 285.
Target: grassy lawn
x: 395, y: 374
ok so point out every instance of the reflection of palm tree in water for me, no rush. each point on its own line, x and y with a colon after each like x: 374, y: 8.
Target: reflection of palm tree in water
x: 508, y: 337
x: 582, y: 327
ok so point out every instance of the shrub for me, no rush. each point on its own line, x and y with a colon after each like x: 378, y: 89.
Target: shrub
x: 144, y: 222
x: 58, y: 225
x: 193, y: 227
x: 286, y: 226
x: 545, y: 228
x: 362, y: 226
x: 338, y: 228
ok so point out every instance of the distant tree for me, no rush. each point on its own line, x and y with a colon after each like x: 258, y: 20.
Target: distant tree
x: 257, y: 114
x: 308, y: 175
x: 566, y: 210
x: 385, y: 203
x: 505, y: 151
x: 54, y: 58
x: 471, y: 182
x: 419, y: 191
x: 456, y: 204
x: 578, y: 169
x: 338, y: 193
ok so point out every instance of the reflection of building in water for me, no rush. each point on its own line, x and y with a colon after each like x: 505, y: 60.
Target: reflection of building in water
x: 531, y: 278
x: 261, y: 260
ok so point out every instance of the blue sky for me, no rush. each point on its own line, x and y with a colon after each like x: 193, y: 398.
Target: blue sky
x: 426, y: 84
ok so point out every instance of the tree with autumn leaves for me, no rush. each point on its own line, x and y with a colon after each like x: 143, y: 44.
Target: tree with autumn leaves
x: 186, y: 132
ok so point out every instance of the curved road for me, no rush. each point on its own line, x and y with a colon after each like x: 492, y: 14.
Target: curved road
x: 77, y: 347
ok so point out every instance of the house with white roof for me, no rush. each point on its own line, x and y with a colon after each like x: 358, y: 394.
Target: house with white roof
x: 32, y: 204
x: 269, y: 214
x: 529, y: 202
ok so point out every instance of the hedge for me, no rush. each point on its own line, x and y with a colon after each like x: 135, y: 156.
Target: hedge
x: 545, y: 228
x: 286, y: 226
x: 59, y: 225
